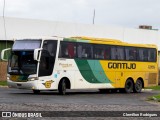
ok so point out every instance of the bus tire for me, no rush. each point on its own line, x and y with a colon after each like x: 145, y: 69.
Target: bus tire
x: 62, y: 87
x: 36, y: 91
x: 138, y: 86
x: 128, y: 86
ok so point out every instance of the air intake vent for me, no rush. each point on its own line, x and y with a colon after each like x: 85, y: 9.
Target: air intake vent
x: 152, y: 78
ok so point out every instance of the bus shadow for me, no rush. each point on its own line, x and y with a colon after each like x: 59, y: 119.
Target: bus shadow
x: 71, y: 93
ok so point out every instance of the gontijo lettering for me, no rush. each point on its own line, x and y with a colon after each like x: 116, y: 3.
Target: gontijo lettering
x: 114, y: 65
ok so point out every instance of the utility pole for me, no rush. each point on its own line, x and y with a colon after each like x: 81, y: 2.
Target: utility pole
x: 4, y: 19
x: 93, y: 16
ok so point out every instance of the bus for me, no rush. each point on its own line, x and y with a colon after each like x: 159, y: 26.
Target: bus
x: 57, y: 63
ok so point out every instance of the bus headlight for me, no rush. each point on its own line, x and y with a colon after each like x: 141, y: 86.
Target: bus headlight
x: 32, y: 78
x: 8, y: 77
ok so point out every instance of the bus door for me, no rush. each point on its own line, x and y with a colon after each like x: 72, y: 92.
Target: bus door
x: 47, y: 62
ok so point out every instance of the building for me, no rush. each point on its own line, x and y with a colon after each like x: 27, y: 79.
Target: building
x: 12, y: 28
x: 3, y: 65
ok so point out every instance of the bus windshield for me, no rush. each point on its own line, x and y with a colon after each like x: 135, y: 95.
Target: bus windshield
x: 21, y: 62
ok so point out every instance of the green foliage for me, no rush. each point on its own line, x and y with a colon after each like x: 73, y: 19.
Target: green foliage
x: 155, y: 98
x: 154, y: 88
x: 3, y: 83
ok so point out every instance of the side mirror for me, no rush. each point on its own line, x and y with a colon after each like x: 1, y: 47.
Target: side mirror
x: 3, y: 54
x: 36, y: 54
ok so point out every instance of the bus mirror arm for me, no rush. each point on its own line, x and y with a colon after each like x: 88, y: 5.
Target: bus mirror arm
x: 3, y: 54
x: 36, y: 54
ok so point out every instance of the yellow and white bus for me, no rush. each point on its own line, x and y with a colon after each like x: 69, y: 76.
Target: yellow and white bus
x: 81, y: 63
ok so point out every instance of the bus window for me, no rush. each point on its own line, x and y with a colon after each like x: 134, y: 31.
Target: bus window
x: 152, y: 55
x: 71, y: 50
x: 51, y: 49
x: 131, y: 53
x: 120, y: 53
x: 84, y: 51
x: 67, y: 50
x: 117, y: 53
x: 107, y: 53
x: 113, y: 53
x: 99, y: 52
x: 63, y: 52
x: 143, y: 54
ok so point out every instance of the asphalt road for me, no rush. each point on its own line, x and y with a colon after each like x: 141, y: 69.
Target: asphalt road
x: 76, y: 100
x: 16, y: 96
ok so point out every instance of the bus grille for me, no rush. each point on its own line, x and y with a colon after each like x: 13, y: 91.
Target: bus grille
x: 152, y: 78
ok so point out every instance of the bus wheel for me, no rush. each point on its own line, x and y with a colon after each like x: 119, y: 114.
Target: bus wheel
x: 62, y: 87
x: 36, y: 91
x: 128, y: 86
x: 138, y: 86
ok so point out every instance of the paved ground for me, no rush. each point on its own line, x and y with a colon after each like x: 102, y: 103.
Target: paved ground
x: 86, y: 100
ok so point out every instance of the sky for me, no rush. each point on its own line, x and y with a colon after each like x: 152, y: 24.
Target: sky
x: 125, y: 13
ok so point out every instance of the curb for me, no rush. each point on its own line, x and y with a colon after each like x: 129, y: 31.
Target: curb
x: 3, y: 86
x: 147, y: 89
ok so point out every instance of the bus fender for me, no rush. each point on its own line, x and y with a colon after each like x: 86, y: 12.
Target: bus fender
x: 68, y: 83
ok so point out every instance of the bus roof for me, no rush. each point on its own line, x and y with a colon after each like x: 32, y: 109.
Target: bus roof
x: 85, y: 39
x: 106, y: 41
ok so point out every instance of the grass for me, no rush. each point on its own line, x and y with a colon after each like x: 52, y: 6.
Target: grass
x: 155, y: 98
x: 3, y: 83
x: 154, y: 87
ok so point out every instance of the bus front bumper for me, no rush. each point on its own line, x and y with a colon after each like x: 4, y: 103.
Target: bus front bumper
x: 23, y: 85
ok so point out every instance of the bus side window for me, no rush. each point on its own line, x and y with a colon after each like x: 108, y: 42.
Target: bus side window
x: 117, y: 53
x: 71, y: 50
x: 152, y: 55
x: 67, y: 50
x: 64, y: 50
x: 140, y: 55
x: 107, y: 53
x: 113, y: 53
x: 143, y: 54
x: 99, y: 52
x: 79, y: 49
x: 131, y: 53
x: 101, y: 56
x: 84, y: 54
x: 84, y: 51
x: 120, y: 53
